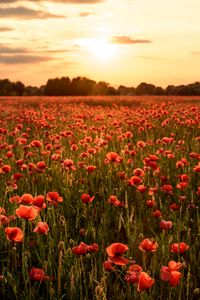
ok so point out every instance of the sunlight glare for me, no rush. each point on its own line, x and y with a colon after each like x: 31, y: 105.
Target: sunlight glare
x: 100, y: 48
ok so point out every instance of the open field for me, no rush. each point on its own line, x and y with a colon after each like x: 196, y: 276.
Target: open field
x: 105, y: 100
x: 99, y: 198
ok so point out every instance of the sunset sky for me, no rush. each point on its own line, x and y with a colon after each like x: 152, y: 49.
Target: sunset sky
x: 121, y: 42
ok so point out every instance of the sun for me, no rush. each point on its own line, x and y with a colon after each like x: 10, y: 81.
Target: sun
x: 101, y: 49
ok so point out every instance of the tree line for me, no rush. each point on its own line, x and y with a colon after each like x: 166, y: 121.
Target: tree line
x: 82, y: 86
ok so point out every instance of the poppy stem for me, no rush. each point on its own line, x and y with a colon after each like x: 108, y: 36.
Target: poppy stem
x: 144, y: 260
x: 60, y: 248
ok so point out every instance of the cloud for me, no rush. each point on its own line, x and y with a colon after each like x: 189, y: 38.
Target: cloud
x: 23, y: 59
x: 4, y: 49
x: 4, y: 29
x: 56, y: 51
x: 85, y: 14
x: 195, y: 53
x: 128, y: 40
x: 22, y: 12
x: 7, y: 50
x: 78, y: 1
x: 56, y: 1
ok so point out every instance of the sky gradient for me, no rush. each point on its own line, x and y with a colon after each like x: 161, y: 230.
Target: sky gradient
x: 121, y: 42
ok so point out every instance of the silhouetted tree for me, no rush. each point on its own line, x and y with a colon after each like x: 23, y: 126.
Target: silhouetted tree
x: 124, y: 90
x: 145, y: 89
x: 19, y: 88
x: 83, y: 86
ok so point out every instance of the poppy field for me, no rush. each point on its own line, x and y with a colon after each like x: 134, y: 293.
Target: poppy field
x: 99, y: 199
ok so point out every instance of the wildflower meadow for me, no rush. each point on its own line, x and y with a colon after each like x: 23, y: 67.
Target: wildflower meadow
x: 99, y: 198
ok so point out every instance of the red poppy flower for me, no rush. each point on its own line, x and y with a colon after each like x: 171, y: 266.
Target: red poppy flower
x: 14, y: 234
x: 80, y: 249
x: 179, y: 164
x: 90, y: 169
x: 36, y: 143
x: 122, y: 175
x: 17, y: 176
x: 108, y: 266
x: 152, y: 190
x: 26, y: 199
x: 139, y: 172
x: 165, y: 225
x: 37, y: 274
x: 113, y: 200
x: 171, y: 273
x: 26, y: 212
x: 148, y: 245
x: 167, y: 140
x: 3, y: 219
x: 41, y: 165
x: 133, y: 273
x: 31, y: 166
x: 74, y: 147
x: 141, y: 188
x: 113, y: 157
x: 134, y: 180
x: 69, y: 164
x: 54, y: 198
x: 144, y: 282
x: 184, y: 177
x: 179, y: 247
x: 15, y: 199
x: 151, y: 203
x: 194, y: 155
x: 92, y: 150
x: 5, y: 169
x: 42, y: 227
x: 19, y: 162
x: 93, y: 248
x: 167, y: 189
x: 197, y: 168
x: 157, y: 213
x: 141, y: 144
x: 115, y: 252
x: 39, y: 201
x: 86, y: 198
x: 174, y: 206
x: 128, y: 134
x: 182, y: 185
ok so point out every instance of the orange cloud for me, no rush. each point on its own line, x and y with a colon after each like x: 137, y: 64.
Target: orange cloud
x: 56, y: 1
x: 128, y: 40
x: 23, y: 59
x: 4, y: 29
x: 22, y: 12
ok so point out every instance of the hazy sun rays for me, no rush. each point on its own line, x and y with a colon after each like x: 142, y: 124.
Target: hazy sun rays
x: 99, y: 48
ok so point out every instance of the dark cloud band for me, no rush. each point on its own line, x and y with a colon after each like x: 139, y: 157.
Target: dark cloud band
x: 22, y: 12
x: 22, y: 59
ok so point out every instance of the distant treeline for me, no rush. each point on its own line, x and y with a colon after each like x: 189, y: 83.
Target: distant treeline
x: 82, y: 86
